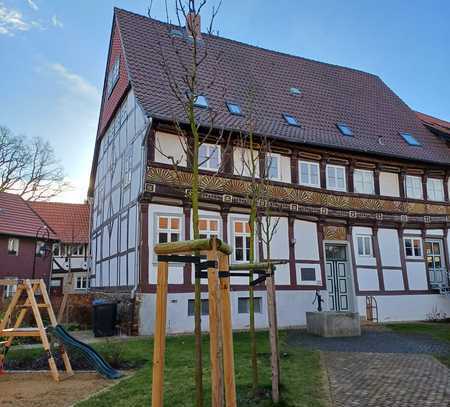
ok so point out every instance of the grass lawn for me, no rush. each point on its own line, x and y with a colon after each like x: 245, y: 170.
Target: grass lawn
x: 437, y: 330
x: 303, y: 381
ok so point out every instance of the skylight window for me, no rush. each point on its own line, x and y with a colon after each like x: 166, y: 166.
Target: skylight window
x: 201, y: 101
x: 176, y: 33
x: 234, y: 108
x: 291, y: 120
x: 295, y: 91
x: 410, y: 139
x: 345, y: 129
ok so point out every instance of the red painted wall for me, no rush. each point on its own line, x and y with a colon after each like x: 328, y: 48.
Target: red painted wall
x: 110, y: 103
x: 21, y: 266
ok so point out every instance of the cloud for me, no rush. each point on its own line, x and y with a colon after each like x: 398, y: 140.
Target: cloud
x: 32, y: 4
x: 75, y: 83
x: 12, y: 20
x: 57, y: 22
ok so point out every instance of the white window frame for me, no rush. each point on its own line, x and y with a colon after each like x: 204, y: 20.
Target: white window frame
x: 367, y: 180
x: 309, y: 165
x: 335, y: 168
x: 81, y: 283
x: 413, y: 185
x: 413, y: 239
x: 244, y: 235
x: 363, y: 238
x: 208, y: 232
x: 77, y: 250
x: 169, y: 230
x: 435, y: 189
x: 211, y: 148
x: 268, y: 160
x: 308, y: 282
x: 10, y: 290
x: 13, y: 246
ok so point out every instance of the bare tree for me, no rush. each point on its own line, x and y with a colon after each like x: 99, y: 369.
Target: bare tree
x: 182, y: 59
x: 29, y: 168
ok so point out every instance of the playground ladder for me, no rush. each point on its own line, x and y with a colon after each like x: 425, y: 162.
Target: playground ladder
x: 19, y: 310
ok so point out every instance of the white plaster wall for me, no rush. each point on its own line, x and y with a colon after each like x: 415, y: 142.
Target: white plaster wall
x: 291, y: 311
x: 389, y: 184
x: 435, y: 232
x: 367, y: 279
x: 170, y: 145
x: 307, y: 245
x: 393, y: 280
x: 393, y: 308
x: 412, y: 232
x: 114, y: 195
x: 362, y: 260
x: 417, y: 275
x: 279, y: 249
x: 175, y: 270
x: 242, y: 161
x: 389, y: 247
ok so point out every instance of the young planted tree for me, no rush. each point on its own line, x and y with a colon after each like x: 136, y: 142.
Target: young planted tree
x: 29, y: 168
x: 182, y: 64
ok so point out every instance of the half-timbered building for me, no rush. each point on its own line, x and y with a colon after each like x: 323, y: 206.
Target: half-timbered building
x: 360, y: 184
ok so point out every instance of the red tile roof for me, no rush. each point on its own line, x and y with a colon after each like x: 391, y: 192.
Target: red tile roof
x: 435, y: 123
x: 69, y: 221
x: 330, y: 94
x: 18, y: 218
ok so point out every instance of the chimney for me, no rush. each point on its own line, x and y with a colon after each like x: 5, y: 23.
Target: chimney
x: 193, y: 25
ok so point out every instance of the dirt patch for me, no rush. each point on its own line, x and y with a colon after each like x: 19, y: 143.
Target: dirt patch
x: 39, y: 389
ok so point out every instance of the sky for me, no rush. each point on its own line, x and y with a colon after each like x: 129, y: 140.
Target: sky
x: 53, y: 56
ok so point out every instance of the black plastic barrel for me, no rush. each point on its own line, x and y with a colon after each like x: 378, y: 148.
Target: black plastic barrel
x: 104, y: 318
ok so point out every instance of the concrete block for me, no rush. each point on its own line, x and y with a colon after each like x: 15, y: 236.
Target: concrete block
x: 333, y: 324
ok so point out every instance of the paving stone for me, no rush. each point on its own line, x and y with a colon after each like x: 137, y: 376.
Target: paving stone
x: 384, y: 380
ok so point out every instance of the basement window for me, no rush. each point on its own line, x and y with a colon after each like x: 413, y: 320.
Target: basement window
x: 234, y: 108
x: 204, y: 307
x: 411, y: 140
x: 345, y: 129
x: 201, y: 101
x: 291, y: 120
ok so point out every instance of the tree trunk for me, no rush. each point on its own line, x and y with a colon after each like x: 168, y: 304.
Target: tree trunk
x: 197, y: 302
x: 273, y: 332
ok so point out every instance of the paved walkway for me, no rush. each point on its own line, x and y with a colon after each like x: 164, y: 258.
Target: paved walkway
x: 382, y: 369
x: 380, y: 379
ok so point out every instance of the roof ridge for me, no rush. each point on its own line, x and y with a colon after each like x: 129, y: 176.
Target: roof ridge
x: 272, y: 51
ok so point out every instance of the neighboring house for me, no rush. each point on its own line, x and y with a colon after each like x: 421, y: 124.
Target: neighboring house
x: 360, y: 184
x: 71, y: 253
x: 25, y: 241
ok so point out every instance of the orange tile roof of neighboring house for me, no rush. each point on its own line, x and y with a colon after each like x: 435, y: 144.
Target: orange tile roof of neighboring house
x: 434, y: 122
x: 69, y: 221
x: 17, y: 218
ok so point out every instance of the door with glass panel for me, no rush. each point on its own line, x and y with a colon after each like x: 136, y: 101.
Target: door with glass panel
x: 338, y: 278
x: 436, y: 267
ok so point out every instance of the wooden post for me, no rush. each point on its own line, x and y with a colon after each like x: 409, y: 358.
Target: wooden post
x: 160, y: 335
x: 273, y: 336
x: 227, y: 334
x: 214, y: 331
